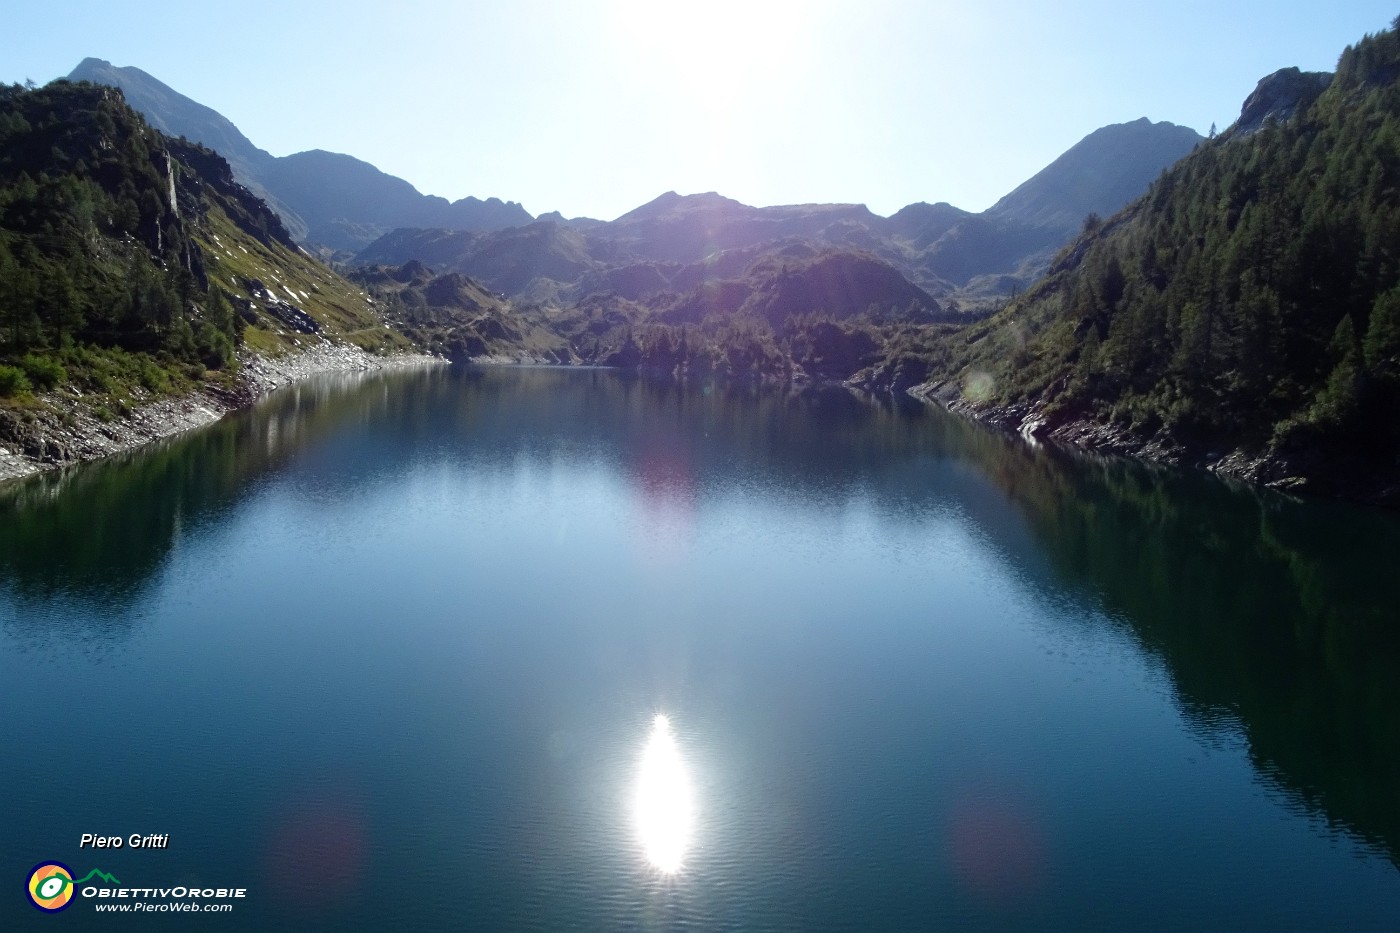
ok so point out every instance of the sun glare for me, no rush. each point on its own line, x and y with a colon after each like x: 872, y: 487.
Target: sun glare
x: 665, y: 808
x: 711, y: 50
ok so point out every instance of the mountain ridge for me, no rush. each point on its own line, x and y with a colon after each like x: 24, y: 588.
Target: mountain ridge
x: 344, y: 204
x: 669, y: 245
x: 287, y: 182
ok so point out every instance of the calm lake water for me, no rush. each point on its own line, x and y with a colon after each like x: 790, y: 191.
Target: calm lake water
x: 389, y: 653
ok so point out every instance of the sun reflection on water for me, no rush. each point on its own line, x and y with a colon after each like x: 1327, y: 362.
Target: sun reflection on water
x: 664, y: 804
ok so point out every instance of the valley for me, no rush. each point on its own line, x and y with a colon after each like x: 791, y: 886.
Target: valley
x: 1048, y: 304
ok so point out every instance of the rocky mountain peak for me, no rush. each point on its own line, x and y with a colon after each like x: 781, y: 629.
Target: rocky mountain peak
x: 1279, y: 96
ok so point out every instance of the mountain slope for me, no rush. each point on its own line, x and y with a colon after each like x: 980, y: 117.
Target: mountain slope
x: 132, y: 265
x: 937, y: 247
x: 1011, y: 243
x: 342, y: 203
x: 1100, y: 174
x: 1245, y: 312
x: 348, y: 203
x: 325, y: 198
x: 176, y: 115
x: 508, y: 261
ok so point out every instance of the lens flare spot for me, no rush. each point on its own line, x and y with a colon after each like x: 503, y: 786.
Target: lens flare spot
x: 664, y: 803
x: 978, y: 386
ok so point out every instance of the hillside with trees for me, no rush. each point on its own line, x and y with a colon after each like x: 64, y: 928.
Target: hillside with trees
x: 133, y: 266
x: 1244, y: 313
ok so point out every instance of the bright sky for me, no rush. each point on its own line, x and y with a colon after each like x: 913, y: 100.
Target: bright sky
x: 593, y: 108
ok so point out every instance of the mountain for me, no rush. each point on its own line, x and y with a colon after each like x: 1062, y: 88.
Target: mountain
x: 944, y: 251
x: 800, y: 281
x: 1012, y: 242
x: 133, y: 265
x: 176, y: 115
x: 457, y: 316
x: 347, y: 202
x: 710, y: 262
x: 344, y: 204
x: 1100, y: 174
x: 774, y: 280
x: 1244, y: 313
x: 690, y: 228
x: 325, y: 198
x: 921, y: 224
x: 510, y: 261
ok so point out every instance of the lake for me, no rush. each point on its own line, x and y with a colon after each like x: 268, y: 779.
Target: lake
x: 546, y: 649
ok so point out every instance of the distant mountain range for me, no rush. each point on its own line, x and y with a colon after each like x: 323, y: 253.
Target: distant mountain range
x: 339, y: 202
x: 672, y: 243
x: 324, y: 198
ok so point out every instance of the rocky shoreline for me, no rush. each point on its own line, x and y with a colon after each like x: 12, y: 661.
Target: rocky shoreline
x: 1307, y: 472
x: 66, y: 431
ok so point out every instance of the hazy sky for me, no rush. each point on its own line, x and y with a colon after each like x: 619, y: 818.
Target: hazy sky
x: 593, y: 108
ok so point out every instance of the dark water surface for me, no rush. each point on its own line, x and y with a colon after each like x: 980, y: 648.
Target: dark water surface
x: 387, y: 652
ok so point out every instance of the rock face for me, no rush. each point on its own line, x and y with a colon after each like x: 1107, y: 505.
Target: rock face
x: 282, y: 309
x: 1279, y: 96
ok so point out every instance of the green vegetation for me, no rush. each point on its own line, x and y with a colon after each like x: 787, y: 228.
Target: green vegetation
x: 93, y: 248
x: 454, y: 315
x: 13, y: 381
x: 133, y: 266
x: 267, y: 282
x: 1250, y: 299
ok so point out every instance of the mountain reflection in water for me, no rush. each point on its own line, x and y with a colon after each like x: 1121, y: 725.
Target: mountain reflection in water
x: 887, y: 642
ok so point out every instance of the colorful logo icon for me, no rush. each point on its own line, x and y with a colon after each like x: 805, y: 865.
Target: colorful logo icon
x: 51, y: 886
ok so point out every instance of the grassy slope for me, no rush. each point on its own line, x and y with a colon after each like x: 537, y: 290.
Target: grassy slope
x: 342, y: 309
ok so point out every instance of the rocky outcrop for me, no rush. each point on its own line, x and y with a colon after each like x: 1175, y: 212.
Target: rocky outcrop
x: 898, y: 373
x: 1278, y: 97
x: 283, y: 310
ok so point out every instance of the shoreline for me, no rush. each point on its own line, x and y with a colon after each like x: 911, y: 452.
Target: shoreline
x: 1311, y: 474
x: 68, y: 433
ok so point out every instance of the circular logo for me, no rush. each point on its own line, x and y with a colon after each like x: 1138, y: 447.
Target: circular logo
x: 51, y: 886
